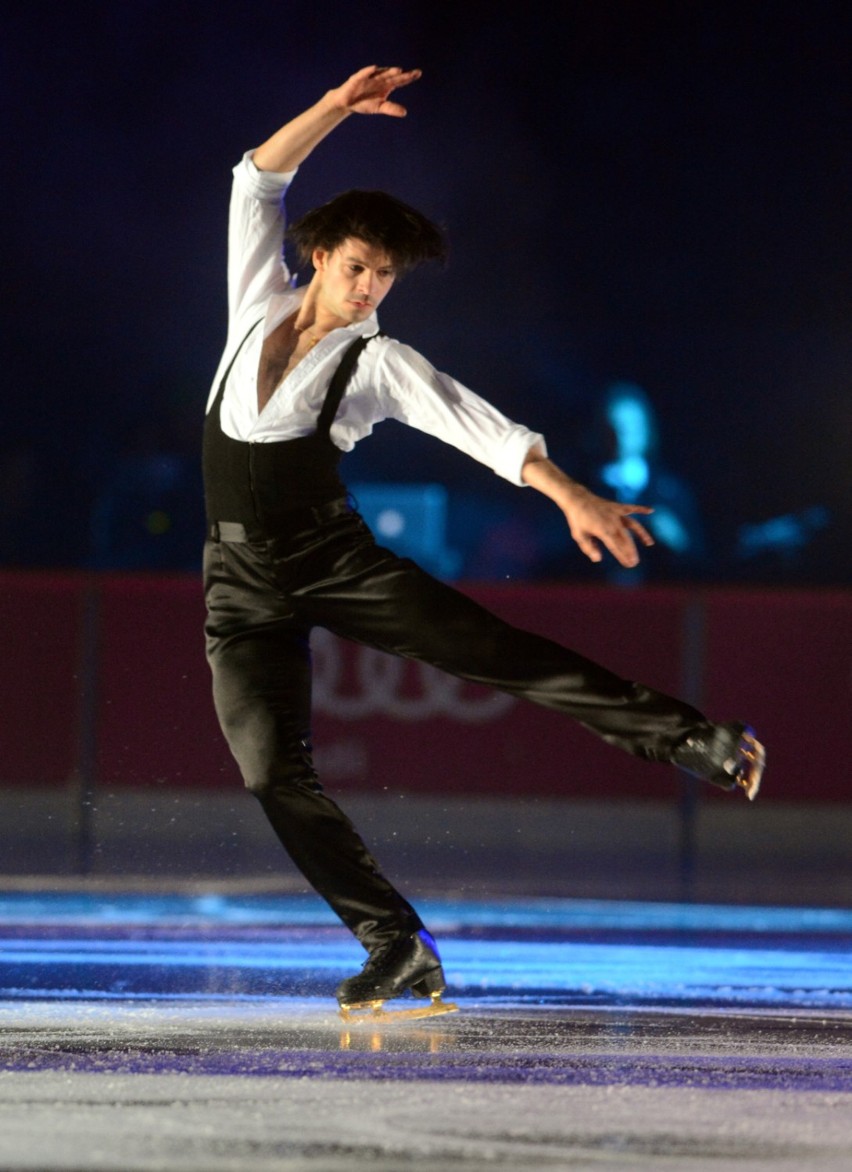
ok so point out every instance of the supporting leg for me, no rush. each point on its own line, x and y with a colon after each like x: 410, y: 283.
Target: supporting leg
x: 261, y: 689
x: 410, y: 963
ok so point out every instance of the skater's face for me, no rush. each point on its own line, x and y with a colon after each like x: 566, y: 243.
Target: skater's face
x: 353, y: 279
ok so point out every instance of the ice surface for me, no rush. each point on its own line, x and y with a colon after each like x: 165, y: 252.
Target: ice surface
x: 187, y: 1036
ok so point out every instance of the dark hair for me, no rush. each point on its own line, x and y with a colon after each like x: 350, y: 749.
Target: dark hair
x: 379, y: 219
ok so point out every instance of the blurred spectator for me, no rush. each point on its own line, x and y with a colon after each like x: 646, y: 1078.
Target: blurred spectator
x: 632, y: 470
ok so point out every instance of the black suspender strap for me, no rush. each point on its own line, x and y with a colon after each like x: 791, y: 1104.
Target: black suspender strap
x: 234, y: 358
x: 337, y: 386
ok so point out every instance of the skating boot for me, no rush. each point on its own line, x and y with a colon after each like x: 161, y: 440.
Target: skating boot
x: 392, y: 969
x: 728, y: 755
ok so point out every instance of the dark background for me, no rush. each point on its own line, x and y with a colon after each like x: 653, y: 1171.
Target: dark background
x: 640, y: 191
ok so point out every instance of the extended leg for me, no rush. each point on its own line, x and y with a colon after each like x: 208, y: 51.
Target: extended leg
x: 390, y: 603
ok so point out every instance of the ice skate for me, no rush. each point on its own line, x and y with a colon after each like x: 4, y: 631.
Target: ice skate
x: 410, y: 963
x: 728, y: 755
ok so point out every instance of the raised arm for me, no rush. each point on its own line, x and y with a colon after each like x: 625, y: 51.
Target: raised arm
x: 366, y: 92
x: 592, y: 519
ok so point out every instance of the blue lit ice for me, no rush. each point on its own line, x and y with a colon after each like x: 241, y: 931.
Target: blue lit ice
x: 185, y: 1033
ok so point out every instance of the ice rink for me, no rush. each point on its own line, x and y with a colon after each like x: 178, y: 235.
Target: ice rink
x: 198, y: 1031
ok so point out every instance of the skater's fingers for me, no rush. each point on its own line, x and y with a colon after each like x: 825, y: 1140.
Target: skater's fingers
x: 587, y: 544
x: 623, y: 549
x: 639, y: 530
x: 620, y: 542
x: 598, y: 524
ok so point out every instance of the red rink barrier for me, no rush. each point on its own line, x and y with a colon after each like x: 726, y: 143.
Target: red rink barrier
x: 105, y: 676
x: 41, y: 674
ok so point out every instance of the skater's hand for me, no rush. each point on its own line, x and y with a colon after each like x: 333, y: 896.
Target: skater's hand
x: 593, y: 521
x: 368, y: 91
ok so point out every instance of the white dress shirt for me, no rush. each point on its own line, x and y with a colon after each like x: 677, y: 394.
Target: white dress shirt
x: 390, y: 380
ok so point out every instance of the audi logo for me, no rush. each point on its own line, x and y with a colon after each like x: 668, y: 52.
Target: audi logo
x: 381, y: 684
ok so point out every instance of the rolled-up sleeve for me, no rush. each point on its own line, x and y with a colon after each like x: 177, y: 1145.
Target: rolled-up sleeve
x: 256, y: 266
x: 267, y: 186
x: 417, y: 394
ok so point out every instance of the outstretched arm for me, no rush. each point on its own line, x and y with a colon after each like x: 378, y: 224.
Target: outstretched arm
x: 366, y: 92
x: 592, y: 519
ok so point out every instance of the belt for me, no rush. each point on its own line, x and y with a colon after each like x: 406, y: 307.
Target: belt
x: 235, y: 531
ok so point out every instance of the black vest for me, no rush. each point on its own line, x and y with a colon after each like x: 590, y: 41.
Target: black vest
x: 259, y: 484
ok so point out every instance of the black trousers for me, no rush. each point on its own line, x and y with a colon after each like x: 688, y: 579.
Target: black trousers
x: 264, y: 596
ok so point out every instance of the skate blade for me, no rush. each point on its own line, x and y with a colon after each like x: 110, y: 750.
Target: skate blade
x: 374, y: 1011
x: 754, y: 762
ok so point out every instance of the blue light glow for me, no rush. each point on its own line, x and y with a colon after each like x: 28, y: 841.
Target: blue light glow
x: 119, y: 908
x: 532, y: 950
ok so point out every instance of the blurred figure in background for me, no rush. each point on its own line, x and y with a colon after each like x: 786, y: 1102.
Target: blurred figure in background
x: 633, y: 470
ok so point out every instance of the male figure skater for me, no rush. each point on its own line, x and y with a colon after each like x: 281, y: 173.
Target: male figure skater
x: 306, y: 374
